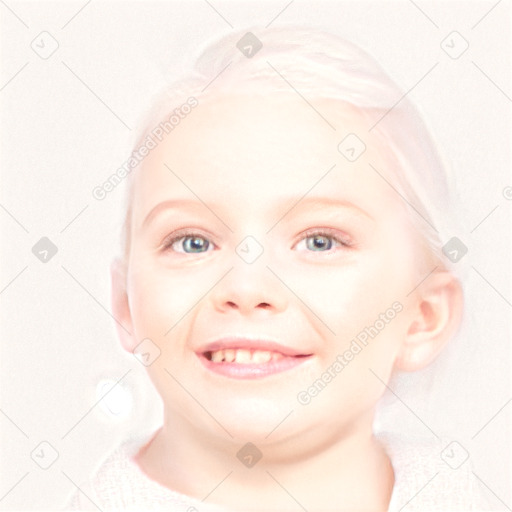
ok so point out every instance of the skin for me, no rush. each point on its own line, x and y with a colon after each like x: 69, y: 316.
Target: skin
x: 249, y: 160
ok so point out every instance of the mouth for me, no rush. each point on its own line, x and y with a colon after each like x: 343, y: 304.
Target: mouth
x: 249, y: 359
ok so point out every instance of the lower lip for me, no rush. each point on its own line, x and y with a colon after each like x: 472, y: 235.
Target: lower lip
x: 253, y: 371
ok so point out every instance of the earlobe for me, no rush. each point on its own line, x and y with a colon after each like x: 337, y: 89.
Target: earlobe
x: 436, y: 316
x: 120, y: 305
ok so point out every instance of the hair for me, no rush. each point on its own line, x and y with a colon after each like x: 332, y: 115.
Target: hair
x: 323, y: 66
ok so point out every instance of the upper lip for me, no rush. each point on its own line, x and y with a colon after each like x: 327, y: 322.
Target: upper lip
x: 249, y: 343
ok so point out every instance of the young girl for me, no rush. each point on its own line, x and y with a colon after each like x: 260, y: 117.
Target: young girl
x: 283, y: 258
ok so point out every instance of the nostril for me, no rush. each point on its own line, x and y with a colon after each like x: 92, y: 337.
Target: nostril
x: 234, y: 305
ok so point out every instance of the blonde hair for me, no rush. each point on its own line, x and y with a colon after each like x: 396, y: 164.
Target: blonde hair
x: 324, y: 66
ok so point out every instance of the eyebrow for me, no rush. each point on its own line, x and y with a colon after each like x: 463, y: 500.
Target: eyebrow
x: 321, y: 202
x: 318, y: 202
x: 171, y: 204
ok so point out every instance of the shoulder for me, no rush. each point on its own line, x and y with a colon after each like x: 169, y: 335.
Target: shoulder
x: 431, y: 474
x: 119, y: 484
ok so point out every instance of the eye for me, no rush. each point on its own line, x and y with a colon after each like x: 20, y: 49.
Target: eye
x: 323, y: 240
x: 188, y: 243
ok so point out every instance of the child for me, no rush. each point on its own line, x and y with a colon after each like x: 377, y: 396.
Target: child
x: 282, y: 260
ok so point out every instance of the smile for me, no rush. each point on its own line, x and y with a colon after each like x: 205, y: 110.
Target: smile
x: 243, y: 356
x: 249, y: 359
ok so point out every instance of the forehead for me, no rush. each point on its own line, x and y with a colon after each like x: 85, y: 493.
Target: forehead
x: 246, y: 153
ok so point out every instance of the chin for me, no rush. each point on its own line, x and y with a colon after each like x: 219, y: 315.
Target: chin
x: 252, y: 419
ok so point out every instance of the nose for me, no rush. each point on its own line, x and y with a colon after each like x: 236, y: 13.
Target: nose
x: 249, y: 289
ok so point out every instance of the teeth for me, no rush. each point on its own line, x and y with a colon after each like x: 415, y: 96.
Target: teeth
x: 229, y: 355
x: 218, y: 357
x: 260, y: 356
x: 244, y: 356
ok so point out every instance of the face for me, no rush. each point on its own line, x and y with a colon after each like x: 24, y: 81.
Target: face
x: 258, y: 254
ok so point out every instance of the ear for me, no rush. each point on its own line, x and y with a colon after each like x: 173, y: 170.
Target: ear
x: 436, y: 316
x: 121, y: 306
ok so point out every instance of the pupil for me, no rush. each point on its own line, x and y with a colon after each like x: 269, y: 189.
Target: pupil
x: 196, y: 244
x: 320, y: 242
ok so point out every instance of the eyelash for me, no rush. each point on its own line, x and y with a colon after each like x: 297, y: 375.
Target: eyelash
x: 344, y: 242
x: 328, y: 233
x: 168, y: 242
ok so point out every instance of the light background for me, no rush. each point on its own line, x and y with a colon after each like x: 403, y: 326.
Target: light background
x: 69, y: 121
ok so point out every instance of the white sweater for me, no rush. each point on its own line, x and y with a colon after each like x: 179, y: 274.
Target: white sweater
x: 423, y: 481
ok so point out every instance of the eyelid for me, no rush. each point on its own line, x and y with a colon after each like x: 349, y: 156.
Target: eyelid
x: 344, y: 239
x: 183, y: 233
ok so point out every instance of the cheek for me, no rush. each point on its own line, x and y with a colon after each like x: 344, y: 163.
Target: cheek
x: 163, y: 300
x: 350, y: 295
x: 159, y: 299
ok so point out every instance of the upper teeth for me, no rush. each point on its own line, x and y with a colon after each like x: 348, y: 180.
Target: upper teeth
x: 243, y: 356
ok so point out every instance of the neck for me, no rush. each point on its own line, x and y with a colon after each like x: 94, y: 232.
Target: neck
x: 346, y: 471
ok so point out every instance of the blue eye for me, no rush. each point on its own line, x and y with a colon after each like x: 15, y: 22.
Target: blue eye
x: 323, y: 241
x: 197, y: 244
x: 319, y: 242
x: 189, y: 244
x: 315, y: 241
